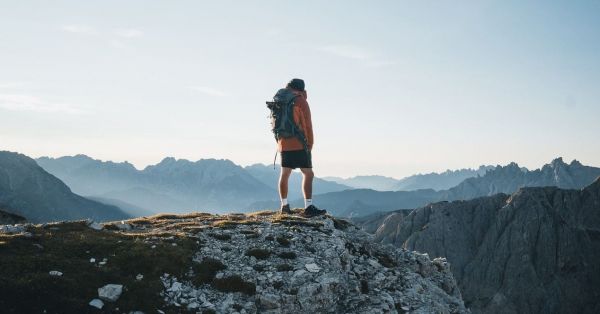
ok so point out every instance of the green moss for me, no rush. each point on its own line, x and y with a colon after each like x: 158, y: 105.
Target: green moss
x: 259, y: 268
x: 287, y: 255
x: 340, y: 224
x: 234, y: 283
x: 221, y: 236
x: 278, y: 284
x: 364, y: 286
x: 206, y: 270
x: 259, y: 253
x: 284, y: 267
x: 386, y: 260
x: 283, y: 241
x: 26, y: 286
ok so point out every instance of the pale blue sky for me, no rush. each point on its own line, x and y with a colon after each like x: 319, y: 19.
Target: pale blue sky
x: 395, y: 87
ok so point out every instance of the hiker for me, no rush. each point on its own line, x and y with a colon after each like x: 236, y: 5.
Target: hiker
x: 293, y: 131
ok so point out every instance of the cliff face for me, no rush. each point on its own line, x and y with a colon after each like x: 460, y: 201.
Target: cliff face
x: 536, y: 251
x: 253, y: 263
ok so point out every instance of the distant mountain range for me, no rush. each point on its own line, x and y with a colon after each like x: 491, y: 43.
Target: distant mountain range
x: 173, y: 185
x: 29, y: 191
x: 435, y: 181
x: 501, y: 179
x: 535, y: 251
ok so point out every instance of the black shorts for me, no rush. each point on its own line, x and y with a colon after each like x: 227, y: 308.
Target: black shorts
x: 296, y: 159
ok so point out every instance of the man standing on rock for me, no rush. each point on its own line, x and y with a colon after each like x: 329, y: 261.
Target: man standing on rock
x: 294, y: 134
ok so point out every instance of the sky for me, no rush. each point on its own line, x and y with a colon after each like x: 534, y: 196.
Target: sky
x: 395, y: 87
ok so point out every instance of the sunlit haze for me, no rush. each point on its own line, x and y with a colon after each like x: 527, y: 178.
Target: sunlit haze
x: 396, y: 88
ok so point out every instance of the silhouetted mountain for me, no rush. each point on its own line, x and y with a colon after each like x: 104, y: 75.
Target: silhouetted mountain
x: 171, y: 185
x: 536, y: 251
x: 510, y: 178
x: 29, y: 191
x: 439, y: 181
x: 501, y: 179
x: 435, y: 181
x: 373, y: 182
x: 270, y: 177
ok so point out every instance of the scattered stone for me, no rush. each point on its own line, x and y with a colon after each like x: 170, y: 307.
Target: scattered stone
x: 39, y: 246
x: 268, y: 301
x: 92, y: 260
x: 123, y: 226
x: 10, y: 229
x: 139, y: 277
x: 97, y: 303
x: 312, y: 267
x: 96, y: 226
x: 110, y: 292
x: 55, y: 273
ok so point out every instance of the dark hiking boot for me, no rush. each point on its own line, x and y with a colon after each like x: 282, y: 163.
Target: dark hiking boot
x: 312, y: 211
x: 285, y: 209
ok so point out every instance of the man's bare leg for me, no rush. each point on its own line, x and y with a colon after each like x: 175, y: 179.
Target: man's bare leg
x: 283, y: 183
x: 307, y: 181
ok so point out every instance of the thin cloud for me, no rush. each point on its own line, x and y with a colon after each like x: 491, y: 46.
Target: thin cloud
x: 18, y: 102
x: 362, y: 55
x: 129, y: 33
x: 78, y: 29
x: 208, y: 91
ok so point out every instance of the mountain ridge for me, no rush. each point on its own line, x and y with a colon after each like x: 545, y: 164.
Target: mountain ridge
x: 501, y: 179
x: 29, y: 191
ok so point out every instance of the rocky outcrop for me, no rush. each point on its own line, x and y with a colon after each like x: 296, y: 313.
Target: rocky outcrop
x: 535, y: 251
x: 293, y: 265
x: 29, y: 191
x: 202, y: 263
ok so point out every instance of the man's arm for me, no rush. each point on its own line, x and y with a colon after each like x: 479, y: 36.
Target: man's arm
x: 309, y: 129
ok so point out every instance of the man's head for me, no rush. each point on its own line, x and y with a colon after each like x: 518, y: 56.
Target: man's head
x: 296, y: 84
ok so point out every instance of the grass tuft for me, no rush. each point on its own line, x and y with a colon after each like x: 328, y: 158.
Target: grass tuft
x: 206, y: 270
x: 259, y: 253
x: 284, y: 267
x: 283, y: 241
x: 221, y: 236
x: 234, y: 283
x: 287, y: 255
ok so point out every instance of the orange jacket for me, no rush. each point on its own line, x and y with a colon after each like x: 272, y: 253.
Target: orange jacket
x: 303, y: 121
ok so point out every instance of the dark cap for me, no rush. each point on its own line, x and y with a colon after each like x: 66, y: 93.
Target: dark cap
x: 296, y: 84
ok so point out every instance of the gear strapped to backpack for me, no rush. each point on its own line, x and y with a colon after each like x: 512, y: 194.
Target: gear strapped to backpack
x: 282, y: 117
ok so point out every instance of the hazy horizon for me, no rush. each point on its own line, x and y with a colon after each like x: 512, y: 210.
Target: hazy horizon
x: 142, y: 167
x: 395, y: 89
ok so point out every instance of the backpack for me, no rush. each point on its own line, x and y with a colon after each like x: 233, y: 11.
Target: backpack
x: 282, y: 116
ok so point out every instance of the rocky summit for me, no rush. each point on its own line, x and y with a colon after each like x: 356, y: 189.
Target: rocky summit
x: 201, y: 263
